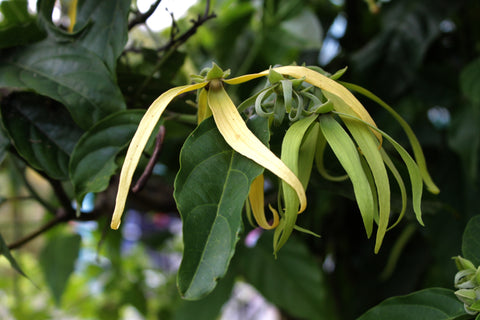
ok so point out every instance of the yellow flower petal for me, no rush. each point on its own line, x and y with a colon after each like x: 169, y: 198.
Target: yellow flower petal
x: 139, y: 140
x: 320, y: 81
x: 241, y: 139
x: 256, y: 199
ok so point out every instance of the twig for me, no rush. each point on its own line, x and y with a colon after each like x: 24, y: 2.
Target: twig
x: 61, y: 195
x: 61, y: 216
x: 50, y: 224
x: 175, y: 42
x: 142, y: 17
x: 151, y: 162
x: 201, y: 19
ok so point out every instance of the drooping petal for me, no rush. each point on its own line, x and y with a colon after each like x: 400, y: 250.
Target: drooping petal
x: 241, y: 139
x: 412, y: 167
x: 369, y: 147
x: 139, y: 140
x: 417, y: 149
x: 256, y: 199
x: 298, y: 149
x: 203, y: 110
x: 346, y: 152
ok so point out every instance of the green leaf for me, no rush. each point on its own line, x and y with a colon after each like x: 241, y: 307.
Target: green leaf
x: 14, y: 12
x: 210, y: 191
x: 428, y: 304
x: 6, y: 253
x: 470, y: 81
x: 17, y: 27
x: 293, y: 281
x: 346, y: 152
x: 464, y: 139
x: 42, y: 131
x: 471, y: 240
x: 107, y: 32
x: 93, y: 160
x: 57, y: 260
x: 65, y: 72
x: 209, y: 307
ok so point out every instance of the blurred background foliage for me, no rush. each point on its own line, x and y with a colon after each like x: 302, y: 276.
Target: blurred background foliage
x: 422, y: 57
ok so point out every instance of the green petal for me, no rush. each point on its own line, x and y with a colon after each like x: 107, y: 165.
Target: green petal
x: 369, y: 147
x: 346, y: 152
x: 417, y: 149
x: 412, y: 167
x: 291, y: 151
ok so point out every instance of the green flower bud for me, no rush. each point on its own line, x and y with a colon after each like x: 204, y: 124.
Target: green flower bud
x: 274, y: 76
x: 467, y: 296
x: 463, y: 264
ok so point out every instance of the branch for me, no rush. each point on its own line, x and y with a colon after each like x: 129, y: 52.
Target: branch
x: 175, y: 42
x: 61, y: 216
x: 142, y: 17
x: 201, y: 19
x: 151, y: 162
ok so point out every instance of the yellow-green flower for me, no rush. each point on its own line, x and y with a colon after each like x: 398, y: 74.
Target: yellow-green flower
x: 229, y: 123
x: 360, y: 151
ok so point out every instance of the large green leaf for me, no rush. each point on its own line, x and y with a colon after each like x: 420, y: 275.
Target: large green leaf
x: 471, y: 241
x: 209, y: 307
x: 57, y: 260
x: 66, y: 72
x: 210, y: 190
x: 294, y: 281
x: 93, y: 159
x: 17, y: 27
x: 470, y: 81
x: 428, y: 304
x: 6, y: 253
x: 107, y: 28
x: 42, y: 131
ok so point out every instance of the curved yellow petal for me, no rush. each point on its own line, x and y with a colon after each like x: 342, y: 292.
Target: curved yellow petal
x: 241, y: 139
x: 320, y: 81
x: 256, y: 199
x: 139, y: 140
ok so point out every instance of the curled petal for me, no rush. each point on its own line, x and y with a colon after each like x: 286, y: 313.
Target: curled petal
x: 256, y: 198
x: 241, y: 139
x: 139, y: 140
x: 320, y: 81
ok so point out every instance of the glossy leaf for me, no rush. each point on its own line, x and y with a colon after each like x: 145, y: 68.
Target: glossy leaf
x: 93, y: 159
x: 4, y: 251
x: 209, y: 307
x: 42, y: 131
x: 65, y: 72
x: 210, y: 191
x: 107, y: 28
x: 428, y: 304
x: 17, y: 26
x: 471, y: 241
x: 57, y: 260
x: 294, y: 281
